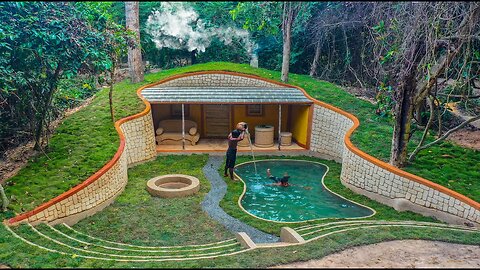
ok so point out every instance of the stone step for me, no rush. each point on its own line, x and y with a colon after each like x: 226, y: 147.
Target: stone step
x: 94, y: 240
x: 122, y: 252
x: 51, y: 242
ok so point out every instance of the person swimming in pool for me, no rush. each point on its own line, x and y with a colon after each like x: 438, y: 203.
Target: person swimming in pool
x: 279, y: 181
x: 283, y: 181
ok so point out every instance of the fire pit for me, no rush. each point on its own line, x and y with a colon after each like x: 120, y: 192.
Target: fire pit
x: 173, y: 185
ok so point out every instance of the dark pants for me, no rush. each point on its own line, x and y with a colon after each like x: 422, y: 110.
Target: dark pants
x: 231, y: 158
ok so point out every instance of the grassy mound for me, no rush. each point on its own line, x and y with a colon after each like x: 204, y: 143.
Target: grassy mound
x: 87, y: 140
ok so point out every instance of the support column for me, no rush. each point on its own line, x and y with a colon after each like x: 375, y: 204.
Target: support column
x: 183, y: 126
x: 279, y: 125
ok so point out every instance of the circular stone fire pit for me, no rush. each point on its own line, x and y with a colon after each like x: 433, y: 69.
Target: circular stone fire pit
x: 173, y: 185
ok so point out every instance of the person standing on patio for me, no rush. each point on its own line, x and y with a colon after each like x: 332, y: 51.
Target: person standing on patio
x: 233, y: 138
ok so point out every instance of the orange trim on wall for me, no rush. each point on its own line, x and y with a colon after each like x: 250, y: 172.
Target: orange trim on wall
x: 96, y: 175
x: 147, y: 109
x: 347, y: 141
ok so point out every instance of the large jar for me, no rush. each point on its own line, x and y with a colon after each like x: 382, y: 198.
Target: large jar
x: 264, y: 136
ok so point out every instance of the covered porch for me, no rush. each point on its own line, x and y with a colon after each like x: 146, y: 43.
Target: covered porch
x: 220, y: 145
x: 200, y: 118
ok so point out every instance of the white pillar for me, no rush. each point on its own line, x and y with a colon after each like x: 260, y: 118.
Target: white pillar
x: 183, y: 126
x: 279, y: 124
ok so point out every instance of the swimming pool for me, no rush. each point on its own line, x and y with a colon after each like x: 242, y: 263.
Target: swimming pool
x: 306, y: 198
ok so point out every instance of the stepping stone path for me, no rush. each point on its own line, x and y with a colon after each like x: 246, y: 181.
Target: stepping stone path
x: 63, y: 239
x: 211, y: 204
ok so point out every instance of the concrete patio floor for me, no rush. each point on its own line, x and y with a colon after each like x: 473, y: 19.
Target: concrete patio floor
x: 220, y: 145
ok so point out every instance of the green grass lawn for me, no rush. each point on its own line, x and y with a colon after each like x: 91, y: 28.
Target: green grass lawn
x: 86, y: 140
x: 154, y: 221
x: 140, y: 219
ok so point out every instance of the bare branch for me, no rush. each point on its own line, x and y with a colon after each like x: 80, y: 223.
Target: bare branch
x: 449, y: 132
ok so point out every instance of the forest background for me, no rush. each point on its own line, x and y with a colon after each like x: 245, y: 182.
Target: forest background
x: 416, y: 61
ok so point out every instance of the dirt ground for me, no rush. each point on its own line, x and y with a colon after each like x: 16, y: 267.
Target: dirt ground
x: 395, y: 254
x: 466, y: 138
x: 399, y: 254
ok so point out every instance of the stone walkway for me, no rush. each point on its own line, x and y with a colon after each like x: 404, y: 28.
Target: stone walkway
x: 211, y: 204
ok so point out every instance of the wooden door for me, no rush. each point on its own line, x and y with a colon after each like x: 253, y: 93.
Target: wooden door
x: 217, y: 120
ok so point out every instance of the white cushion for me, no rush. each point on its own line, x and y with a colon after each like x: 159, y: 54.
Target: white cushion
x: 192, y: 131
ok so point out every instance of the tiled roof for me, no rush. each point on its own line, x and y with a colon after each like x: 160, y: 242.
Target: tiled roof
x: 247, y: 95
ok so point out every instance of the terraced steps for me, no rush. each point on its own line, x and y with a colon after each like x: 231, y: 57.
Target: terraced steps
x: 317, y: 231
x: 65, y: 240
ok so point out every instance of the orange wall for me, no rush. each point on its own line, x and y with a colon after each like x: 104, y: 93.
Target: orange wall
x: 270, y: 117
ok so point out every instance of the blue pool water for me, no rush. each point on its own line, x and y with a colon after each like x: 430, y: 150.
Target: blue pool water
x: 306, y: 198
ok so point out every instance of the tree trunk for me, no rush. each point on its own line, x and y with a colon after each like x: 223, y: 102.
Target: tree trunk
x: 316, y: 58
x: 404, y: 107
x: 110, y: 93
x: 425, y: 131
x: 135, y: 64
x: 419, y: 115
x: 46, y: 108
x: 193, y: 56
x: 403, y: 119
x: 410, y: 94
x: 288, y: 18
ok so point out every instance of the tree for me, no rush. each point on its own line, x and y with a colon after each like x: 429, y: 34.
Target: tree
x: 346, y: 22
x: 117, y: 41
x: 290, y: 12
x: 40, y: 43
x: 134, y: 53
x: 420, y: 41
x: 268, y: 18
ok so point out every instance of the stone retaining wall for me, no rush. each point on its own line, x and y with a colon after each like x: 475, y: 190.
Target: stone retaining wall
x: 83, y: 203
x: 137, y: 144
x: 380, y: 181
x: 403, y: 193
x: 140, y: 139
x: 328, y: 133
x: 330, y: 138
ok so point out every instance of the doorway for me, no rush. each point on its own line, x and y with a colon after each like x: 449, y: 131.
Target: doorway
x: 217, y: 120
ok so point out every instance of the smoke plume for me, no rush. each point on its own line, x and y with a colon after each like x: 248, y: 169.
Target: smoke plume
x: 177, y: 26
